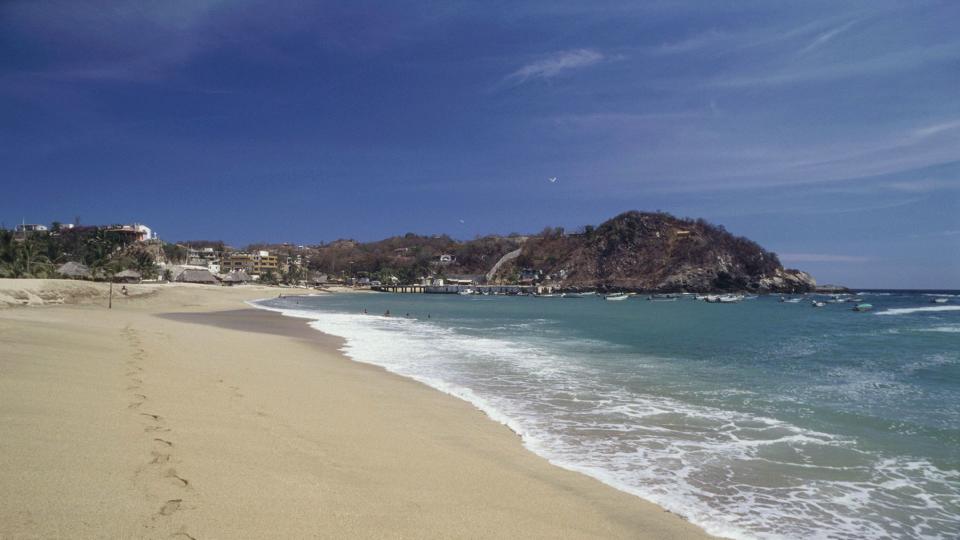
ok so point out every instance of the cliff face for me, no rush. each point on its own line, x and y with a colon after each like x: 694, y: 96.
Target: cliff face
x: 658, y: 252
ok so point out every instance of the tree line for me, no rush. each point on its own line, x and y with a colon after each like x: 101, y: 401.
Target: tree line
x: 38, y: 254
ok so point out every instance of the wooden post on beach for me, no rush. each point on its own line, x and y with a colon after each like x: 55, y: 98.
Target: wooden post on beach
x: 110, y: 300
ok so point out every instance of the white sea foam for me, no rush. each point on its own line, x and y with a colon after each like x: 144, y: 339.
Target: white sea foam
x: 948, y: 329
x: 737, y: 475
x: 907, y: 311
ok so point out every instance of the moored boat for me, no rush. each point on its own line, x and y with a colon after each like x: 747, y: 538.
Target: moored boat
x: 863, y: 307
x: 616, y: 297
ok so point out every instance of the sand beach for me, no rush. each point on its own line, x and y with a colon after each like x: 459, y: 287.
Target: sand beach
x: 183, y: 413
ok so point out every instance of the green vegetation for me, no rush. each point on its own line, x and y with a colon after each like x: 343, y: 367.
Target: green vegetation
x: 38, y: 254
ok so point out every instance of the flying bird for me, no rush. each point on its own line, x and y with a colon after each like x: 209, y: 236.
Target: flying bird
x: 553, y: 179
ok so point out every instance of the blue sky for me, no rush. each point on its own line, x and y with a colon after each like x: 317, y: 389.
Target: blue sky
x: 827, y: 131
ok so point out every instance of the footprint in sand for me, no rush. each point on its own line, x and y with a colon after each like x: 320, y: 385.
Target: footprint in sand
x: 159, y: 458
x: 170, y: 507
x: 163, y: 442
x: 184, y: 534
x: 181, y: 481
x: 154, y: 417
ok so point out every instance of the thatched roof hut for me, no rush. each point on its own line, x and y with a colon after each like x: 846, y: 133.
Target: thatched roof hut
x: 237, y: 277
x: 127, y: 276
x: 74, y: 270
x: 191, y: 275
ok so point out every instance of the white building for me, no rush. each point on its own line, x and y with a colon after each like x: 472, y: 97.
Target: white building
x: 143, y: 232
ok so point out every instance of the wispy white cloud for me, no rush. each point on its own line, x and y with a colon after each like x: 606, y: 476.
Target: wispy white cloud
x: 921, y: 186
x: 891, y: 62
x: 556, y: 64
x: 825, y: 37
x: 935, y: 129
x: 691, y: 44
x: 821, y: 257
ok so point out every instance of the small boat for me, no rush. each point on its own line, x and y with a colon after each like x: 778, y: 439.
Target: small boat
x: 794, y: 300
x: 548, y: 295
x: 730, y: 298
x: 571, y: 295
x: 940, y: 300
x: 616, y: 297
x: 466, y: 292
x: 862, y: 307
x: 662, y: 298
x: 817, y: 304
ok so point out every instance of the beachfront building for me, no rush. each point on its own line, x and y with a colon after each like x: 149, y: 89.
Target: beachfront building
x: 203, y: 257
x: 74, y: 270
x: 197, y: 275
x: 253, y: 263
x: 31, y: 227
x: 127, y: 276
x: 237, y: 277
x: 136, y: 232
x: 463, y: 279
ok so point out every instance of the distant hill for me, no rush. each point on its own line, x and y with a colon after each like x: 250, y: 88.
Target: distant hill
x: 657, y: 252
x: 635, y: 251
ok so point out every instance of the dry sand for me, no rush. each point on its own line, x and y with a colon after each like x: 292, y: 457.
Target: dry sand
x: 223, y: 422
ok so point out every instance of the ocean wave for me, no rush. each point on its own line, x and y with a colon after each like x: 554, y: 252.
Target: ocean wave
x: 735, y: 474
x: 949, y: 329
x: 907, y: 311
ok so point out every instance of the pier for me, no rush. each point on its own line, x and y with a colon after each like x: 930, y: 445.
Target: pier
x: 455, y: 289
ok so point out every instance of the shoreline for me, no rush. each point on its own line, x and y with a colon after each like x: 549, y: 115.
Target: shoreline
x: 252, y: 423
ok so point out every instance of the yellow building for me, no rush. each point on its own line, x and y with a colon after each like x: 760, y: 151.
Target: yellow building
x: 254, y: 263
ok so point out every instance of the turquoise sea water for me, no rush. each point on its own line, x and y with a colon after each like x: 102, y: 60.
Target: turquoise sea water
x: 754, y: 420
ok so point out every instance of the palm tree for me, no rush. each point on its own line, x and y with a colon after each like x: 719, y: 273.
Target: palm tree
x: 144, y: 263
x: 97, y: 253
x: 30, y: 260
x: 7, y: 253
